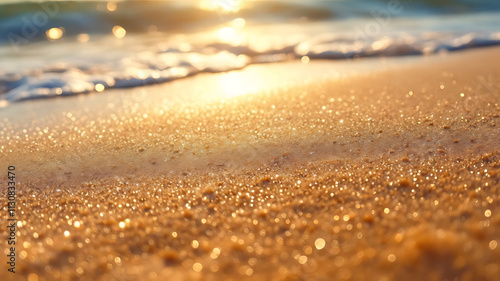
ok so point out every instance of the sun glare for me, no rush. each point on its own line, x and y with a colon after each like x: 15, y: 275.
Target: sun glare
x: 227, y: 35
x: 232, y: 34
x: 54, y: 33
x: 233, y: 84
x: 119, y: 32
x: 221, y: 5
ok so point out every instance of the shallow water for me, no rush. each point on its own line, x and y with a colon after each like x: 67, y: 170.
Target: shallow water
x: 53, y: 48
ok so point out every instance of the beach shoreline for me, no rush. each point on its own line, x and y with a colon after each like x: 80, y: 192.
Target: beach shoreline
x: 373, y: 169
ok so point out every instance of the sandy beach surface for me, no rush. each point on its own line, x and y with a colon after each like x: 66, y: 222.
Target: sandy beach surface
x: 373, y: 169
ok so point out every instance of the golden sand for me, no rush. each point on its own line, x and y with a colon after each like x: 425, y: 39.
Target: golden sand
x: 388, y: 174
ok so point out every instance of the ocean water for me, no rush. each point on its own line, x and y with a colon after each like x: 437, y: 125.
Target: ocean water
x: 56, y: 48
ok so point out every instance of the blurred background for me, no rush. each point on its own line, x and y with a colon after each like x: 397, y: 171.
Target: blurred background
x: 59, y: 48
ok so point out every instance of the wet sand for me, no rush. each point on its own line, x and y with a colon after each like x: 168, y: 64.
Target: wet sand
x: 376, y: 169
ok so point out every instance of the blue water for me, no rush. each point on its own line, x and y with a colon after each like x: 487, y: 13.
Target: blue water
x: 56, y: 48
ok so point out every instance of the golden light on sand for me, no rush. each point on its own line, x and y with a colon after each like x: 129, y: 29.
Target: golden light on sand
x: 319, y: 243
x: 302, y: 259
x: 221, y: 5
x: 32, y: 277
x: 83, y: 37
x: 195, y: 244
x: 119, y: 32
x: 54, y: 33
x: 493, y: 245
x: 227, y: 34
x: 233, y: 84
x: 391, y: 258
x: 197, y: 267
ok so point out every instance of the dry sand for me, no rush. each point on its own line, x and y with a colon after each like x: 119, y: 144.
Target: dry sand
x: 378, y: 169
